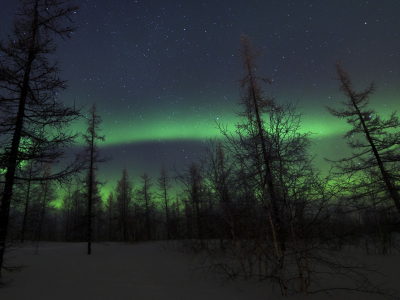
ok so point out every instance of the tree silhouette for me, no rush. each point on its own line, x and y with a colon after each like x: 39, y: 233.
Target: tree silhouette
x: 164, y: 185
x: 275, y: 174
x: 255, y: 104
x: 123, y: 194
x: 375, y: 143
x: 93, y: 158
x: 146, y: 198
x: 109, y: 212
x: 29, y: 106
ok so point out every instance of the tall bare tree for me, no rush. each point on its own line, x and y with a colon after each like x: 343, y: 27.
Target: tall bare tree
x: 255, y: 106
x: 375, y: 141
x: 93, y: 157
x: 272, y: 166
x: 29, y: 87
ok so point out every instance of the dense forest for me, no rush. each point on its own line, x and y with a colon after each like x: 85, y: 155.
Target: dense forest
x: 254, y: 204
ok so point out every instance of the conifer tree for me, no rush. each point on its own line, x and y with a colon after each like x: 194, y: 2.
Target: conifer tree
x: 164, y: 185
x: 375, y: 141
x: 29, y: 88
x: 110, y: 211
x: 93, y: 158
x: 123, y: 194
x: 146, y: 197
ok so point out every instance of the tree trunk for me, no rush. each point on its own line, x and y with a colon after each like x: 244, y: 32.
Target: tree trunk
x: 11, y: 162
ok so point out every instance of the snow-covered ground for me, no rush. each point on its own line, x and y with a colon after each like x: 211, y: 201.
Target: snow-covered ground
x: 142, y: 271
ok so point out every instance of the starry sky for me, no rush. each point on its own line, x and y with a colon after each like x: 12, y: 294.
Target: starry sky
x: 162, y: 73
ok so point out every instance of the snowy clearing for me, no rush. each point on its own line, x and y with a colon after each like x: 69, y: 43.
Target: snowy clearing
x: 141, y: 271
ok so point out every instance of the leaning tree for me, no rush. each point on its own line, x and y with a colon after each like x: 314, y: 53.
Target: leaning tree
x: 375, y: 142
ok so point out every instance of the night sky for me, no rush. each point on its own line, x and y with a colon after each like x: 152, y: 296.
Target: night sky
x: 162, y: 73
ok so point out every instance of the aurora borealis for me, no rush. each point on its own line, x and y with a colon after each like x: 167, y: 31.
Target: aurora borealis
x: 163, y: 73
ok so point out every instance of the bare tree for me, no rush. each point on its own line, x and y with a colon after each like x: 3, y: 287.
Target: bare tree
x: 277, y: 186
x: 375, y: 142
x: 93, y: 158
x: 164, y: 185
x: 29, y: 88
x: 146, y: 197
x: 110, y: 211
x: 123, y: 194
x: 255, y: 138
x: 194, y: 200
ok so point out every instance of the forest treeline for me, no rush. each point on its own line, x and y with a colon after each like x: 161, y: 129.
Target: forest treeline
x: 254, y: 204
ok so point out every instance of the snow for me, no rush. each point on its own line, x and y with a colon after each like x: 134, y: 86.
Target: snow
x: 142, y: 271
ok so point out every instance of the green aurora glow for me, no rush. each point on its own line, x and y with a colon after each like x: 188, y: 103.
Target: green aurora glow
x: 164, y: 73
x: 191, y: 126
